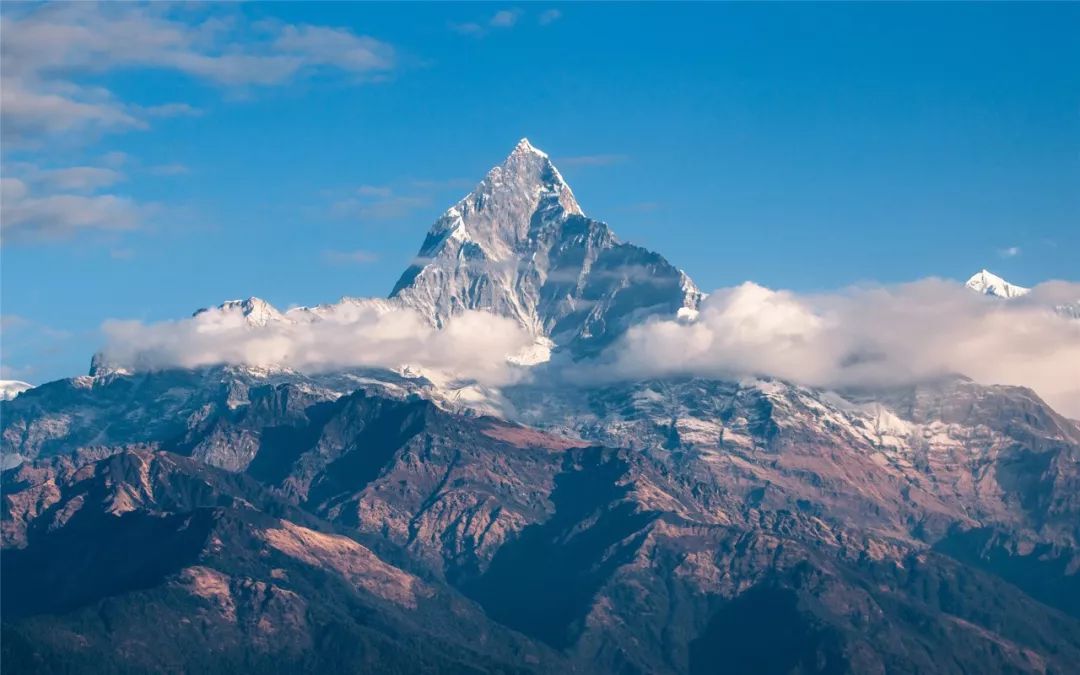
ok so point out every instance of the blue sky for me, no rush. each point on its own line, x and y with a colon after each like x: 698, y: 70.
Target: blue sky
x: 158, y: 159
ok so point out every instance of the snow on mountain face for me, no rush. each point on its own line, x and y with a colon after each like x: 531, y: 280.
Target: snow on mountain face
x: 256, y: 311
x: 990, y: 284
x: 520, y: 245
x: 9, y: 389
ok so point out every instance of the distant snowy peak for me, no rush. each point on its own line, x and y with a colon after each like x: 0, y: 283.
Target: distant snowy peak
x: 255, y: 311
x: 259, y: 313
x: 9, y: 389
x: 988, y: 283
x: 520, y: 245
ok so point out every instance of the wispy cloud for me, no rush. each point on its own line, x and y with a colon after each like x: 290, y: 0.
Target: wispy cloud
x: 502, y: 19
x: 505, y: 18
x: 171, y: 110
x: 446, y: 184
x: 391, y: 202
x: 591, y: 160
x: 549, y: 16
x: 27, y: 341
x: 51, y: 52
x: 169, y: 170
x: 10, y: 322
x: 358, y: 256
x: 1009, y: 252
x: 388, y: 206
x: 866, y: 337
x: 470, y: 28
x: 374, y: 191
x: 53, y: 205
x: 79, y: 178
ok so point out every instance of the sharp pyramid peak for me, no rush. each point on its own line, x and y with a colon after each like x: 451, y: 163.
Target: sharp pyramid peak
x: 525, y: 147
x: 985, y: 276
x: 527, y: 170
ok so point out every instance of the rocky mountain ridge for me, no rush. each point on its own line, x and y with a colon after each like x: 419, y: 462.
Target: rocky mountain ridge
x: 520, y: 245
x: 248, y: 519
x: 947, y: 506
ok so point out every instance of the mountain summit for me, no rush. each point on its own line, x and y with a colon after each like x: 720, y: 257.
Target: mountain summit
x: 988, y: 283
x: 520, y: 245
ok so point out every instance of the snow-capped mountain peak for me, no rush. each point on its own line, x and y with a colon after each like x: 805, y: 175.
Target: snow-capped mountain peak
x: 520, y: 245
x: 524, y: 146
x: 256, y: 311
x: 988, y: 283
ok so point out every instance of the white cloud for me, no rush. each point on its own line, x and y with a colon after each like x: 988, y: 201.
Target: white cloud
x: 80, y: 178
x: 428, y: 185
x: 468, y: 28
x: 381, y: 202
x: 549, y: 16
x: 505, y: 18
x: 592, y: 160
x: 171, y: 110
x: 27, y: 113
x: 502, y: 19
x: 1010, y: 252
x: 319, y: 45
x: 52, y: 204
x: 861, y: 337
x: 50, y: 51
x: 169, y: 170
x: 866, y: 337
x: 380, y: 208
x: 9, y: 322
x: 472, y: 346
x: 374, y: 191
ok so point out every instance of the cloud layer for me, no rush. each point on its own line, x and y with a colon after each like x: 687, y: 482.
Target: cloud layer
x: 866, y: 337
x: 353, y: 333
x: 862, y: 337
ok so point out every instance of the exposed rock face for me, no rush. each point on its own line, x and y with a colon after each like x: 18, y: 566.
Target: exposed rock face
x: 153, y: 562
x: 652, y: 559
x: 520, y: 245
x: 263, y: 520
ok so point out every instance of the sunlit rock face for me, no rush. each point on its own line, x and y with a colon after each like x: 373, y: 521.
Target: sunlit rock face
x: 520, y: 245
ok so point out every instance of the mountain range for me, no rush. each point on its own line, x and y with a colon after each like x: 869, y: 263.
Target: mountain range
x: 233, y: 517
